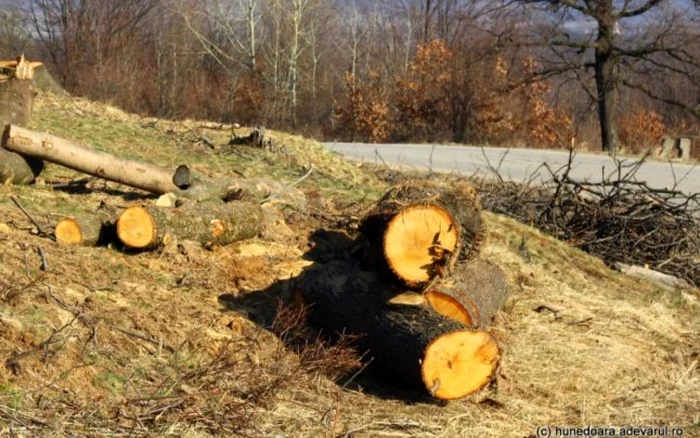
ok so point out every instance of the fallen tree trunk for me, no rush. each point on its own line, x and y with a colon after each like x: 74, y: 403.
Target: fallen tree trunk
x: 146, y: 177
x: 16, y: 104
x: 88, y: 230
x: 408, y: 343
x: 473, y: 294
x: 209, y: 224
x: 418, y: 231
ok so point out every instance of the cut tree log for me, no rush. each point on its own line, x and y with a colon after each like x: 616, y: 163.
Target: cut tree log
x: 406, y: 342
x: 88, y: 230
x: 473, y: 294
x: 418, y: 231
x: 147, y: 177
x: 423, y: 349
x: 16, y: 104
x: 209, y: 224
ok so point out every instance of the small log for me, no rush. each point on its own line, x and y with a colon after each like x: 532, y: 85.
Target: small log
x: 149, y: 227
x: 418, y: 231
x: 407, y: 341
x: 87, y: 230
x: 16, y: 104
x: 146, y: 177
x: 473, y: 294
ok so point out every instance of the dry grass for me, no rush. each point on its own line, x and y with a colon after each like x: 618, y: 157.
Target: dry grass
x: 111, y: 343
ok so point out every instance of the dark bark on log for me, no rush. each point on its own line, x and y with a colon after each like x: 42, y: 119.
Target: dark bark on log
x: 209, y: 224
x: 146, y: 177
x: 16, y: 103
x: 343, y: 299
x: 479, y: 286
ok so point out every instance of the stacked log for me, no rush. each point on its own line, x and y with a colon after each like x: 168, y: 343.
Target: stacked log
x: 417, y: 298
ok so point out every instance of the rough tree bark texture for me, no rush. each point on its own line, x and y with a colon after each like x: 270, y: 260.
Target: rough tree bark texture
x: 476, y: 290
x: 411, y: 344
x: 388, y: 216
x: 16, y: 103
x: 147, y: 177
x: 209, y: 224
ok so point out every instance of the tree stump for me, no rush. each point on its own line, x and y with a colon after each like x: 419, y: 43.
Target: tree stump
x: 16, y: 104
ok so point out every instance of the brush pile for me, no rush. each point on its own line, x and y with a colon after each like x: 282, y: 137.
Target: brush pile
x: 620, y: 219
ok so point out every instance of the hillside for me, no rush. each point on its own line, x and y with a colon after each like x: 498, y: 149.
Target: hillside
x: 177, y: 342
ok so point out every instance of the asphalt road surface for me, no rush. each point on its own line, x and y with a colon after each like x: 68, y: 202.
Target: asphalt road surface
x: 518, y: 164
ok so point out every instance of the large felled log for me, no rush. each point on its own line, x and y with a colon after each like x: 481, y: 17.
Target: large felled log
x: 147, y: 177
x: 473, y: 294
x: 87, y: 230
x: 410, y: 344
x: 148, y: 227
x: 16, y: 103
x: 418, y: 231
x: 423, y: 349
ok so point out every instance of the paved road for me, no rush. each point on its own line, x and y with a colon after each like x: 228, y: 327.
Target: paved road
x: 518, y: 164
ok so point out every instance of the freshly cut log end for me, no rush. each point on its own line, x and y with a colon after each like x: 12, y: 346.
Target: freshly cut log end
x: 465, y: 312
x: 461, y: 363
x: 418, y: 242
x: 136, y: 228
x: 68, y: 232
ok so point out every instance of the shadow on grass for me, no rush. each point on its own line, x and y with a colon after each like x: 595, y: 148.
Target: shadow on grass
x: 264, y: 307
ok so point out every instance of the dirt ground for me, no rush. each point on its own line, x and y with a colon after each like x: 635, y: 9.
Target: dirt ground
x: 183, y: 341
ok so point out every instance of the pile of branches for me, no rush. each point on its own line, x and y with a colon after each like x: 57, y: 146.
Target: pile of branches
x: 619, y: 219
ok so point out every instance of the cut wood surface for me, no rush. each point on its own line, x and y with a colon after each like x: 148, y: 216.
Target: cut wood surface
x: 16, y: 104
x: 143, y: 176
x: 87, y: 230
x: 407, y: 341
x: 423, y: 349
x: 144, y: 227
x: 473, y: 294
x: 418, y: 231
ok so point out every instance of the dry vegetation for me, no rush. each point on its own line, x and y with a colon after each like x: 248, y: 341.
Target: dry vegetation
x: 183, y: 341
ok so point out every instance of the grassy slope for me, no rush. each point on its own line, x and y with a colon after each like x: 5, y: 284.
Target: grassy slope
x: 618, y: 351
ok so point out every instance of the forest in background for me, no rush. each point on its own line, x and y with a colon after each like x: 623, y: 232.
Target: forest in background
x: 537, y: 73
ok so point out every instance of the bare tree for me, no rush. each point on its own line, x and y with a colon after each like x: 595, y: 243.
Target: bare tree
x: 626, y: 38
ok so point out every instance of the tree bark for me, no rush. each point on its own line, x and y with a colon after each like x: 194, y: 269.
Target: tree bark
x: 16, y: 104
x: 408, y: 343
x: 88, y: 230
x: 146, y: 177
x: 419, y: 230
x: 606, y: 80
x: 473, y: 294
x: 209, y: 224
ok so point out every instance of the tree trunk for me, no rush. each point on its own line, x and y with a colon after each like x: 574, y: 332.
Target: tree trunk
x: 209, y: 224
x: 146, y: 177
x: 419, y: 230
x: 16, y: 103
x: 88, y: 230
x: 606, y: 84
x: 408, y: 343
x: 472, y: 295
